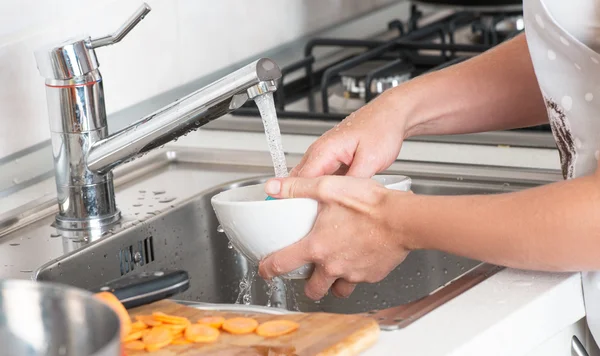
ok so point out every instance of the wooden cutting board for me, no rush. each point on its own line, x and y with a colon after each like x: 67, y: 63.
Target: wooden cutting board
x: 318, y: 334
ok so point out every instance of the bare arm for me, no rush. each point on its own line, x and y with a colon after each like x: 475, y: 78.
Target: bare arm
x: 495, y: 90
x: 553, y: 227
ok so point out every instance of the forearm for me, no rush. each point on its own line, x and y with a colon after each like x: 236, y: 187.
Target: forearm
x: 493, y: 91
x: 553, y: 228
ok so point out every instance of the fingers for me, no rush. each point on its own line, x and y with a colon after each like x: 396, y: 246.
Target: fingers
x: 318, y: 284
x: 320, y: 188
x: 342, y: 288
x: 284, y: 260
x: 364, y: 165
x: 315, y: 165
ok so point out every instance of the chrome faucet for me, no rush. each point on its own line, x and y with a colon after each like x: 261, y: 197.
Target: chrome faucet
x: 84, y: 153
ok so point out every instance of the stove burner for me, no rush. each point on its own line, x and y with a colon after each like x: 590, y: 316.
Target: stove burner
x: 496, y: 28
x: 354, y: 79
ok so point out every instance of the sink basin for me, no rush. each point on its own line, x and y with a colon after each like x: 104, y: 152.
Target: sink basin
x: 169, y: 223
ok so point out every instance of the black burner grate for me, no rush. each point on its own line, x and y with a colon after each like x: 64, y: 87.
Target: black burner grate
x: 408, y: 46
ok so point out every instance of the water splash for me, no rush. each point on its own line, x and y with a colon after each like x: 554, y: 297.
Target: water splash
x: 245, y: 294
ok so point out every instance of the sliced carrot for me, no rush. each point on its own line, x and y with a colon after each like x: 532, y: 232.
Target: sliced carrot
x: 135, y: 335
x: 135, y: 345
x: 138, y: 325
x: 240, y: 325
x: 170, y: 319
x: 214, y: 321
x: 175, y: 329
x: 201, y: 333
x: 276, y: 328
x: 148, y: 320
x: 180, y: 341
x: 115, y: 304
x: 157, y: 338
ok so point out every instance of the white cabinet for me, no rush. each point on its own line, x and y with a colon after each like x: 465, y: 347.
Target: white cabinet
x: 560, y: 344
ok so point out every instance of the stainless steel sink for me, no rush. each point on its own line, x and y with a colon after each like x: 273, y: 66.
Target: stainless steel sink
x: 169, y: 223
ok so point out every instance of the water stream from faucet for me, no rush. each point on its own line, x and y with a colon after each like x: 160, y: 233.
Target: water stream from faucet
x: 279, y: 290
x: 266, y: 107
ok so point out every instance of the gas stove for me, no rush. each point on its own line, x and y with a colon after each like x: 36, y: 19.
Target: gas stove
x: 317, y: 91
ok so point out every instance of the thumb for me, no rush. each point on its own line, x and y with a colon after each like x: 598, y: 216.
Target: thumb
x: 315, y: 188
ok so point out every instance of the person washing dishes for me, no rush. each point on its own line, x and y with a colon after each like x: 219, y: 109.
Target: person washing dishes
x: 363, y: 231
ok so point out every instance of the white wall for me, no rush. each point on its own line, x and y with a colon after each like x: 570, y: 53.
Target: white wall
x: 179, y: 41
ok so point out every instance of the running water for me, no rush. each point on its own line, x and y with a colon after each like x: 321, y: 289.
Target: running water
x: 245, y: 295
x: 266, y: 107
x: 279, y: 291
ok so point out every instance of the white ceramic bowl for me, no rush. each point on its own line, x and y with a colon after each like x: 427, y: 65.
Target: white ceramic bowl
x: 257, y: 227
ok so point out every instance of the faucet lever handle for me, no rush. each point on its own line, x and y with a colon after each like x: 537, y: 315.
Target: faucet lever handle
x: 118, y: 35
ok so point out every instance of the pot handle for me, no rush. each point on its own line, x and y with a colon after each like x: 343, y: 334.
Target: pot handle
x: 147, y: 287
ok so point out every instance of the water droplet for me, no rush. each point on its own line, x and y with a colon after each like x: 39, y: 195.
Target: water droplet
x: 54, y: 235
x: 375, y: 295
x: 158, y: 192
x: 418, y: 273
x: 220, y: 229
x: 166, y: 199
x: 15, y: 244
x: 26, y: 270
x: 432, y: 268
x: 142, y: 191
x: 445, y: 271
x: 229, y: 245
x: 137, y: 205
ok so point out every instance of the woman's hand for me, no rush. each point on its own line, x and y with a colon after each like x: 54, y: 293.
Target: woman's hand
x: 354, y: 239
x: 366, y: 142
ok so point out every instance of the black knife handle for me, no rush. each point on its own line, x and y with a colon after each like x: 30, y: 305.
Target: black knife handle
x: 147, y: 287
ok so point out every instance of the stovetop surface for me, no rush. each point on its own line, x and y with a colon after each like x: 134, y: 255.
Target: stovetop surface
x: 312, y: 89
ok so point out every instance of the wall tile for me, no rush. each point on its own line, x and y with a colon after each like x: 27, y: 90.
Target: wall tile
x: 179, y: 41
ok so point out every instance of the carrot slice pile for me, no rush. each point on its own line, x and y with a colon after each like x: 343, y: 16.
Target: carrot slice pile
x: 157, y: 338
x: 135, y: 345
x: 180, y: 341
x: 148, y: 320
x: 214, y: 321
x: 240, y: 325
x: 115, y: 304
x: 138, y: 325
x: 159, y: 330
x: 170, y: 319
x: 175, y: 329
x: 134, y: 335
x: 275, y: 328
x: 201, y: 333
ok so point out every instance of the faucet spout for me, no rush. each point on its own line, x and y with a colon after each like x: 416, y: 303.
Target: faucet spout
x: 182, y: 116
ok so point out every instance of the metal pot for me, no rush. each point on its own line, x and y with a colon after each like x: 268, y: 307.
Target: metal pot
x: 483, y: 4
x: 38, y: 318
